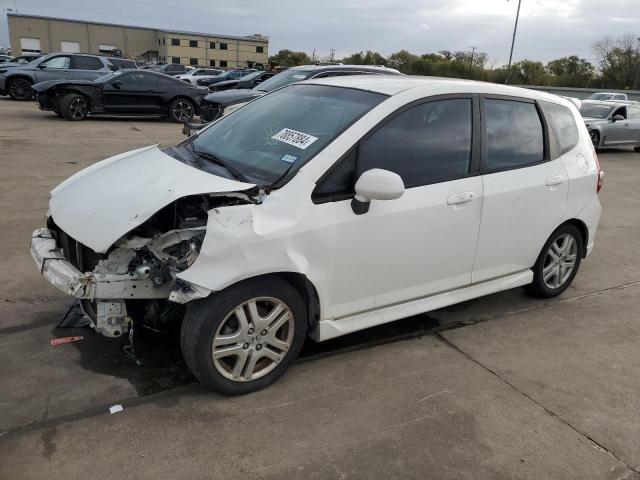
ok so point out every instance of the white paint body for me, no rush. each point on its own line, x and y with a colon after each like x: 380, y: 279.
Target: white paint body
x: 434, y: 246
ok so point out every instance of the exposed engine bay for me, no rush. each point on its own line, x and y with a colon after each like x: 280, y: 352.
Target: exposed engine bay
x: 135, y: 280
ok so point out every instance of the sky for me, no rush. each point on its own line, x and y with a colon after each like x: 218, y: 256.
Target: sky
x: 548, y: 29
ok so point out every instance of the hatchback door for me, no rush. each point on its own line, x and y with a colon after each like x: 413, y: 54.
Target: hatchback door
x: 55, y: 68
x: 87, y: 68
x: 425, y: 241
x: 525, y: 194
x: 132, y: 93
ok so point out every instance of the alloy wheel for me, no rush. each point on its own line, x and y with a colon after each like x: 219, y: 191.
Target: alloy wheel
x: 253, y: 339
x: 20, y: 89
x: 78, y: 108
x: 560, y: 261
x: 182, y: 111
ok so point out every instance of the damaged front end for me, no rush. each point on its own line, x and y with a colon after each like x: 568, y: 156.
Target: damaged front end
x: 135, y: 279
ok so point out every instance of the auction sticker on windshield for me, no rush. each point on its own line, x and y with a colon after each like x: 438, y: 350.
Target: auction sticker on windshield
x: 295, y: 138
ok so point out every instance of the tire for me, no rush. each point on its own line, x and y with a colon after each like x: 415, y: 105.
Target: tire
x: 554, y: 261
x: 20, y: 89
x: 73, y: 107
x: 595, y: 138
x: 181, y: 110
x: 636, y: 149
x: 247, y: 359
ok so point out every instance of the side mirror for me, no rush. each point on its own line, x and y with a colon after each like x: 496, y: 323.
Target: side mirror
x: 42, y: 66
x: 376, y: 184
x: 617, y: 118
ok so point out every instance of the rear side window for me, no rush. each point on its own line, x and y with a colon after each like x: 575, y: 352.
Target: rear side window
x: 514, y: 134
x: 564, y: 132
x: 634, y: 113
x: 86, y: 63
x: 425, y: 144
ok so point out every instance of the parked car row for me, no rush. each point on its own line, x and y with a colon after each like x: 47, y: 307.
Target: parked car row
x: 612, y: 123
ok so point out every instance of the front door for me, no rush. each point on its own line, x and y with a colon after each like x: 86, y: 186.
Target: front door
x: 618, y: 132
x: 525, y: 195
x: 56, y: 68
x: 424, y: 242
x: 133, y: 93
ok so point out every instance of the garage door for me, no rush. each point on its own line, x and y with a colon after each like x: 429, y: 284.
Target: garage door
x: 30, y: 45
x: 69, y: 47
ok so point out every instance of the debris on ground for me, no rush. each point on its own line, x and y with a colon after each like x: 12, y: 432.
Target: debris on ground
x: 62, y: 340
x: 115, y: 409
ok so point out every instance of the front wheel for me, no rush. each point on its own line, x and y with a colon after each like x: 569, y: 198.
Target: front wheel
x: 595, y: 138
x: 558, y: 262
x: 181, y: 110
x: 20, y: 89
x: 636, y: 149
x: 73, y: 107
x: 245, y: 337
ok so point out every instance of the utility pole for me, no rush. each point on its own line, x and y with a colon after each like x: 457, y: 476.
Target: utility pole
x: 332, y: 54
x: 313, y: 56
x: 513, y: 41
x: 473, y: 51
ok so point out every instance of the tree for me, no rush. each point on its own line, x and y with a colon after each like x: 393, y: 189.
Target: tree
x: 528, y: 72
x: 618, y: 61
x: 402, y: 60
x: 369, y: 58
x: 571, y: 71
x: 287, y: 58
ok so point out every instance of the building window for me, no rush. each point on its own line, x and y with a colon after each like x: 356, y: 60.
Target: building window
x: 223, y: 46
x: 212, y: 45
x: 259, y: 49
x: 212, y: 63
x: 158, y: 42
x: 164, y: 41
x: 193, y: 61
x: 193, y: 43
x: 175, y: 42
x: 175, y: 59
x: 223, y: 63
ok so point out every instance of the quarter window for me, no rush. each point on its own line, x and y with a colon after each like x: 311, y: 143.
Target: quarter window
x: 425, y: 144
x: 514, y: 134
x: 563, y: 128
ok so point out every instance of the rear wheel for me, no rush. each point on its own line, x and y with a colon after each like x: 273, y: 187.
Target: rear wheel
x: 73, y: 107
x: 181, y: 110
x: 244, y: 338
x: 558, y: 262
x: 595, y: 138
x: 20, y: 89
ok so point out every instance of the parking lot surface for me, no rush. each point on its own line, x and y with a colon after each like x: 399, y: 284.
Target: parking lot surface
x: 506, y: 386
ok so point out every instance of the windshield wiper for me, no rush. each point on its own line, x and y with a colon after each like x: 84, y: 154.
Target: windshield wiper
x: 217, y: 160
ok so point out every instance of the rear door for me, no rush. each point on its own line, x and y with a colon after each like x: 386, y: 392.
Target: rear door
x: 525, y: 193
x: 132, y: 93
x: 55, y: 68
x: 633, y: 118
x: 87, y: 68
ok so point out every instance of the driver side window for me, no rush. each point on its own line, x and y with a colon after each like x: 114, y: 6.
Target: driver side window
x: 58, y: 62
x: 621, y: 111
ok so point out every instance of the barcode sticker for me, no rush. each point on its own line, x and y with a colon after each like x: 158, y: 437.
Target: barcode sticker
x: 295, y: 138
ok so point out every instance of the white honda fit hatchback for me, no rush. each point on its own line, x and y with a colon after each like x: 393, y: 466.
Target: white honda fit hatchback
x: 324, y: 208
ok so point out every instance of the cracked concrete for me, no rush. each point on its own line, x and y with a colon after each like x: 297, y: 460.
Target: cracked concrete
x: 520, y: 388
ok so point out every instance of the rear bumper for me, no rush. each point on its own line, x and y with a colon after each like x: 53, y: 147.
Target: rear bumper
x: 58, y: 271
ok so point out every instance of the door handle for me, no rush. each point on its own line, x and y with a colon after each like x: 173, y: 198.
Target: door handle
x: 554, y: 180
x: 458, y: 198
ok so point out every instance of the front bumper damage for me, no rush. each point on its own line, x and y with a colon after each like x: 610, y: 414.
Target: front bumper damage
x: 108, y: 290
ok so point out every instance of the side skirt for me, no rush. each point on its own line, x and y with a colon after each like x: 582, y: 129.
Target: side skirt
x: 328, y: 329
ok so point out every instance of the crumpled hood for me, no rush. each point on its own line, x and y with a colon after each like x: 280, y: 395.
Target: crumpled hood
x: 46, y: 85
x: 101, y: 203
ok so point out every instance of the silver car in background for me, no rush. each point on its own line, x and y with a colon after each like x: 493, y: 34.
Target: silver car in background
x: 612, y: 124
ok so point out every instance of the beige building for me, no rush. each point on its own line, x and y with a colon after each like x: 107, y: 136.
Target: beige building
x: 32, y: 33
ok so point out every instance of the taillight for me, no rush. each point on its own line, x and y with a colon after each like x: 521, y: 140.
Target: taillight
x: 600, y: 172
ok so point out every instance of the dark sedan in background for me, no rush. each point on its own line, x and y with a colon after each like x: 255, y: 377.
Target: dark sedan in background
x: 218, y: 104
x: 228, y: 75
x: 125, y: 92
x: 248, y: 81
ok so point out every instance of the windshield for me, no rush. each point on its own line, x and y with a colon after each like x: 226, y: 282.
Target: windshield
x: 600, y: 96
x: 283, y: 130
x: 252, y: 75
x: 108, y: 76
x: 595, y: 111
x: 283, y: 78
